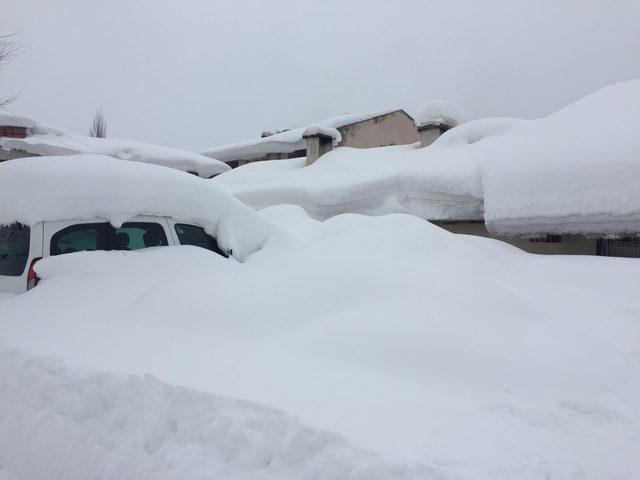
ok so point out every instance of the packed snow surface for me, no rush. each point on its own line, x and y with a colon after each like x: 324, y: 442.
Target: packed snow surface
x: 457, y: 357
x: 576, y: 171
x: 286, y: 141
x: 106, y: 426
x: 45, y: 140
x: 95, y: 186
x: 439, y: 112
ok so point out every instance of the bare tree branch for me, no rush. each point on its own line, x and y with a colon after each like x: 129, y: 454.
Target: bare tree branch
x: 9, y: 50
x: 98, y: 125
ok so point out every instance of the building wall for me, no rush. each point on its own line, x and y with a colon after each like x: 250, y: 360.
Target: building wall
x: 396, y: 128
x: 568, y: 244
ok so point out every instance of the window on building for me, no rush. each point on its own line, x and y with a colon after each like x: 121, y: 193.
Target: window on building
x: 196, y: 236
x: 618, y: 247
x: 546, y: 239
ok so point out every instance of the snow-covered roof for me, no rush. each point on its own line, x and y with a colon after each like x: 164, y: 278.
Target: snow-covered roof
x: 284, y: 142
x: 96, y: 186
x: 566, y: 173
x: 439, y: 112
x: 10, y: 119
x: 45, y: 140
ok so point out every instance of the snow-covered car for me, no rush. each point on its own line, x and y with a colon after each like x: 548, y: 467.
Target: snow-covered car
x: 58, y: 205
x: 21, y: 246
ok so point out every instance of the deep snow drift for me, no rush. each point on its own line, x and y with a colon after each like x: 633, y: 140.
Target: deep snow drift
x: 472, y: 357
x: 576, y: 171
x: 46, y: 140
x: 108, y: 426
x: 96, y: 186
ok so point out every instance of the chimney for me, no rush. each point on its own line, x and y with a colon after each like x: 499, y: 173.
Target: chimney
x: 429, y: 132
x: 319, y: 141
x: 436, y: 117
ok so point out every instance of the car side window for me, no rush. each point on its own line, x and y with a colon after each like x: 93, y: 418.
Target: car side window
x: 196, y: 236
x: 137, y: 235
x: 82, y: 237
x: 102, y: 236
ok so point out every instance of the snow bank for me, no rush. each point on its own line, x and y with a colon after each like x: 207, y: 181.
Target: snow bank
x: 576, y: 171
x: 370, y: 181
x: 439, y: 112
x: 47, y: 141
x: 64, y: 424
x: 464, y: 354
x: 284, y: 142
x: 94, y: 186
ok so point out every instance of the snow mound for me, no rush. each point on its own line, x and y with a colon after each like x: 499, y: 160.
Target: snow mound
x: 571, y: 172
x: 48, y: 141
x: 287, y: 141
x: 439, y: 112
x: 94, y: 186
x: 410, y: 342
x: 63, y: 424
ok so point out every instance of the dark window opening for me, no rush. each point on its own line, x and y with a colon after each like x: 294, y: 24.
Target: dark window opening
x: 618, y: 247
x: 546, y: 239
x: 15, y: 240
x: 196, y: 236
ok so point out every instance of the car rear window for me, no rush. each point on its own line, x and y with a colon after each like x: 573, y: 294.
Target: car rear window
x: 14, y: 249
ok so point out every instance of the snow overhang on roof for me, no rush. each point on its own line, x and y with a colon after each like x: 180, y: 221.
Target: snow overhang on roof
x: 287, y: 141
x: 47, y: 141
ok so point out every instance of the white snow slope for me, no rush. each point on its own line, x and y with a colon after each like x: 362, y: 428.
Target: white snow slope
x: 86, y: 187
x: 45, y: 140
x: 576, y: 171
x: 462, y: 356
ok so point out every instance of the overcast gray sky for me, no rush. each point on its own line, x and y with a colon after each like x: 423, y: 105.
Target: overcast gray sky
x: 199, y: 73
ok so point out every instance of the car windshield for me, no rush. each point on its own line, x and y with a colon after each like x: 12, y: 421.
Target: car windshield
x: 14, y: 249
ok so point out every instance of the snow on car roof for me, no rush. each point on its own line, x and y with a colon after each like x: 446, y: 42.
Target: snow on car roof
x: 97, y: 186
x: 287, y: 141
x: 46, y: 140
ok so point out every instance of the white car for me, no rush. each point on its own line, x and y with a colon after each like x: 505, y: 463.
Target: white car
x: 22, y: 246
